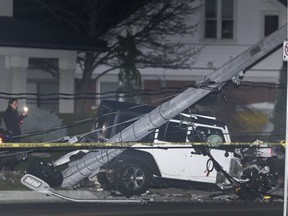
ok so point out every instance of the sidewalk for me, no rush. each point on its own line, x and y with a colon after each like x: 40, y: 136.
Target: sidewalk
x: 167, y: 194
x: 32, y: 196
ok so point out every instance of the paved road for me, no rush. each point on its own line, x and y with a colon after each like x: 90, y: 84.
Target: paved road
x: 183, y: 209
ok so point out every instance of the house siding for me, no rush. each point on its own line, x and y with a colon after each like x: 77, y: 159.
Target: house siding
x: 249, y: 29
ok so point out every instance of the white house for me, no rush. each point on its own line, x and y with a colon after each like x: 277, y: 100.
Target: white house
x: 24, y: 47
x: 226, y: 28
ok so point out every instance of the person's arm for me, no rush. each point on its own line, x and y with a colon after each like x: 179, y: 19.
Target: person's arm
x: 21, y: 118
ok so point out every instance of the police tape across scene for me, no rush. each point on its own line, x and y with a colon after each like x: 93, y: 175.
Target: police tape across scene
x: 138, y: 145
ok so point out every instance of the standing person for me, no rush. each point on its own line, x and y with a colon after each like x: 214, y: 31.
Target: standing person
x: 12, y: 119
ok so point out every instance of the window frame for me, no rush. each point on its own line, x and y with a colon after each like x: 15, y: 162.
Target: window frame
x: 219, y: 20
x: 100, y: 82
x: 268, y: 13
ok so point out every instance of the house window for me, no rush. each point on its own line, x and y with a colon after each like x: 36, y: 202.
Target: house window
x: 219, y: 21
x: 40, y: 96
x: 271, y: 24
x: 109, y: 90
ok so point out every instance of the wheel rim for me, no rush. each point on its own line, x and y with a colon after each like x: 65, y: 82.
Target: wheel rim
x: 133, y: 178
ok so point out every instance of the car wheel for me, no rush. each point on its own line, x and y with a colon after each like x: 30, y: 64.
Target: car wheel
x: 132, y: 178
x: 46, y: 171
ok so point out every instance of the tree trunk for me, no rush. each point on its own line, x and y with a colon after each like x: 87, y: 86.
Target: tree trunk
x: 86, y: 101
x: 85, y: 88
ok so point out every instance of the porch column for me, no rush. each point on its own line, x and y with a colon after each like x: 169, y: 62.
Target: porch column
x: 6, y: 8
x: 67, y: 84
x: 4, y: 83
x: 13, y: 78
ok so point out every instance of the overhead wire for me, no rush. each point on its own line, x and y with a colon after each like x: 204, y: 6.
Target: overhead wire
x: 80, y: 122
x: 77, y: 123
x: 145, y: 92
x: 116, y: 112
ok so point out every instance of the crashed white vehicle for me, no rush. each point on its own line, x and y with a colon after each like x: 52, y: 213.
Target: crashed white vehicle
x: 132, y: 171
x: 169, y: 156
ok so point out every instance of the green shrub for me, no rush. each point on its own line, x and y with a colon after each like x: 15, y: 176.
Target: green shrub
x: 249, y: 120
x: 40, y: 120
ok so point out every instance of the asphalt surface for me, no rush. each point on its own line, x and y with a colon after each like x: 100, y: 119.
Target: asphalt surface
x: 169, y: 201
x: 164, y: 201
x: 167, y: 209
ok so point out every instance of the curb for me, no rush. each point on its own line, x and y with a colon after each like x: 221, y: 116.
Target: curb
x: 32, y: 196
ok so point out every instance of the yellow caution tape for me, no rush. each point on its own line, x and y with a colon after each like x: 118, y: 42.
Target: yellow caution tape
x: 133, y: 144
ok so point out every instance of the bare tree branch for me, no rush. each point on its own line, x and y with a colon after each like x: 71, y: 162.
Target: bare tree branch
x: 151, y: 23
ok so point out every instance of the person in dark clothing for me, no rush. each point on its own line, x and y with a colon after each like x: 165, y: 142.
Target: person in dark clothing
x: 12, y: 119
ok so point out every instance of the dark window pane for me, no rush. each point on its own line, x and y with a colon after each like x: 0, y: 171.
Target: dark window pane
x: 271, y: 24
x: 46, y: 88
x: 227, y: 29
x: 171, y: 132
x: 211, y: 29
x: 110, y: 89
x: 211, y: 8
x: 227, y: 9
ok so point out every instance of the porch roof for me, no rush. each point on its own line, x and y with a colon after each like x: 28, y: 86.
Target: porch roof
x: 19, y: 33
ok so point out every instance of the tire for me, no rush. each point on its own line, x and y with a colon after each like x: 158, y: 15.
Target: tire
x: 132, y: 178
x: 46, y: 171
